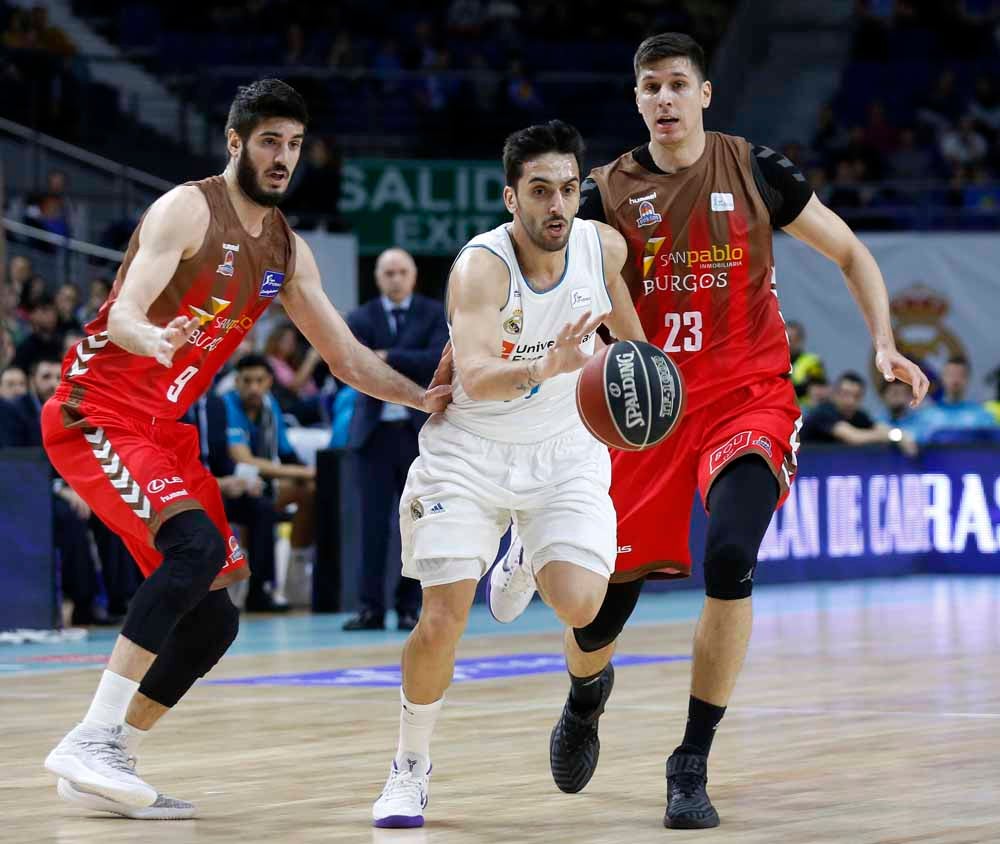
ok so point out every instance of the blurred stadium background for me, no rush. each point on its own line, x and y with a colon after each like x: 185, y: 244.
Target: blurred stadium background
x: 892, y: 108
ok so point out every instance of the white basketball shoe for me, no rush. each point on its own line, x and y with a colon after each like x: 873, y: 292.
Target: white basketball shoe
x: 94, y: 758
x: 163, y: 809
x: 511, y: 584
x: 403, y: 800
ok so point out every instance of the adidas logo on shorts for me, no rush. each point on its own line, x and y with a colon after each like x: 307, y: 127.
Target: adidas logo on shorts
x: 437, y: 508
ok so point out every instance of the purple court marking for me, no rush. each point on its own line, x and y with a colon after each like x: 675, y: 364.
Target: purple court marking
x: 466, y: 670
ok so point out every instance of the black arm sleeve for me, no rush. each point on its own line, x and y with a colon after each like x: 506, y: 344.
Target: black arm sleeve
x: 781, y: 184
x: 591, y: 206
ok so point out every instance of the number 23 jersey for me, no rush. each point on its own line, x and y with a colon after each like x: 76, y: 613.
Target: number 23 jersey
x: 700, y: 263
x: 227, y: 285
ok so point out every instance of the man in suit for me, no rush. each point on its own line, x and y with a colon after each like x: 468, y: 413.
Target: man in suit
x: 408, y: 331
x: 21, y: 427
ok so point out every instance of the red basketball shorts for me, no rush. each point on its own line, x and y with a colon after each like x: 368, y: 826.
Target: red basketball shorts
x: 653, y: 490
x: 135, y: 473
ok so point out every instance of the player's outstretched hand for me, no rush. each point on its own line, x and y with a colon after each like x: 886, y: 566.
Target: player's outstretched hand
x: 172, y: 336
x: 438, y: 395
x: 566, y: 355
x: 893, y: 365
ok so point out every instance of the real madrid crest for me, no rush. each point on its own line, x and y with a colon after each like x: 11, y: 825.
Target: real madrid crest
x: 416, y: 509
x: 513, y: 325
x: 918, y: 314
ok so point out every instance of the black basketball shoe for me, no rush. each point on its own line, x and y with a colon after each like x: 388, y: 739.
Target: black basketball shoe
x: 688, y: 806
x: 574, y: 746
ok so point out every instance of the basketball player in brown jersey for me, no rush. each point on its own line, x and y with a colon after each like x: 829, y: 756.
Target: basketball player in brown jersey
x: 204, y: 263
x: 698, y: 210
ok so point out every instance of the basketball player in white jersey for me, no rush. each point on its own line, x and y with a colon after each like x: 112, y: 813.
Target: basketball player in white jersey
x: 521, y: 301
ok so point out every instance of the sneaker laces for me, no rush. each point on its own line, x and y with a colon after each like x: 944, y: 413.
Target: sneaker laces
x: 111, y: 753
x: 577, y: 731
x: 686, y: 784
x: 404, y: 784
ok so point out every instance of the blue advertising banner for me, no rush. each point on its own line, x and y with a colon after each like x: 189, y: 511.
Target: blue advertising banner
x: 874, y: 513
x: 28, y: 597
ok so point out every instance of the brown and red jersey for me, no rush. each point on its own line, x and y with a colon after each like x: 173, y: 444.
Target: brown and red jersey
x: 227, y: 285
x: 700, y: 264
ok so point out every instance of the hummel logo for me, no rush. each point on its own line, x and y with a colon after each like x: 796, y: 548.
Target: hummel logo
x: 437, y: 508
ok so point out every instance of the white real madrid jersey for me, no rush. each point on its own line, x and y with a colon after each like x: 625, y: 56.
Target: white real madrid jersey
x: 530, y: 321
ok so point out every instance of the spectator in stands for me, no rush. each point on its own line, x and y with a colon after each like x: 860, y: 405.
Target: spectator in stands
x: 943, y: 105
x: 317, y: 194
x: 294, y: 371
x: 880, y: 134
x: 96, y: 296
x: 985, y: 106
x: 9, y: 317
x: 522, y: 95
x: 13, y: 383
x: 953, y: 418
x: 408, y: 331
x: 21, y: 427
x: 49, y: 38
x: 19, y: 273
x: 7, y: 348
x: 817, y: 391
x: 896, y: 397
x: 806, y: 366
x: 44, y: 340
x: 71, y: 338
x: 830, y: 138
x: 963, y: 145
x: 841, y: 420
x: 242, y: 495
x: 34, y: 290
x: 67, y: 301
x: 910, y: 160
x: 993, y: 405
x: 50, y: 210
x: 257, y: 438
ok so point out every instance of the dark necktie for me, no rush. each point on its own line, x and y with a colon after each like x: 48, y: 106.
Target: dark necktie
x: 399, y: 320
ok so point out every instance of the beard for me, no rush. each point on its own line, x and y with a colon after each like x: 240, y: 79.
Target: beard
x: 248, y: 179
x: 539, y: 238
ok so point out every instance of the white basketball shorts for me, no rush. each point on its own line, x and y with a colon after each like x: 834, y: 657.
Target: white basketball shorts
x: 463, y: 490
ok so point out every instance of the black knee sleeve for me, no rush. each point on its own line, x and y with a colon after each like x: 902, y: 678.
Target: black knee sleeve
x: 192, y: 649
x: 741, y: 504
x: 618, y: 604
x: 193, y: 552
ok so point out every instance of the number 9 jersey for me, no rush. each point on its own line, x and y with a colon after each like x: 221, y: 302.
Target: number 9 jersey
x: 227, y: 285
x: 111, y: 430
x: 700, y: 270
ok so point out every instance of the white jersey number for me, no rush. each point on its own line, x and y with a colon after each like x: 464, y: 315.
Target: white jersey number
x: 690, y: 321
x: 180, y: 382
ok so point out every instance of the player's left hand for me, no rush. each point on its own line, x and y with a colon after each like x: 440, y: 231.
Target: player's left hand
x: 893, y: 365
x: 438, y: 394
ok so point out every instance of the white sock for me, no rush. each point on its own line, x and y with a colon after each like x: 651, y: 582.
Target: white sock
x: 114, y: 693
x: 416, y: 723
x: 133, y: 738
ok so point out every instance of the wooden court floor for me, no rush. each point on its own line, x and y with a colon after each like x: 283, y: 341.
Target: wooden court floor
x: 866, y: 713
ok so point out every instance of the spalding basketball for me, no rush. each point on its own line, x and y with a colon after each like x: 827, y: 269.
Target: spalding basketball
x: 630, y: 395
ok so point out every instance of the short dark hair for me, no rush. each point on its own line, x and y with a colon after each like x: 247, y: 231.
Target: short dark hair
x: 851, y: 377
x: 37, y: 362
x: 669, y: 45
x: 44, y: 300
x: 260, y: 100
x: 528, y: 144
x: 253, y: 361
x: 960, y: 360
